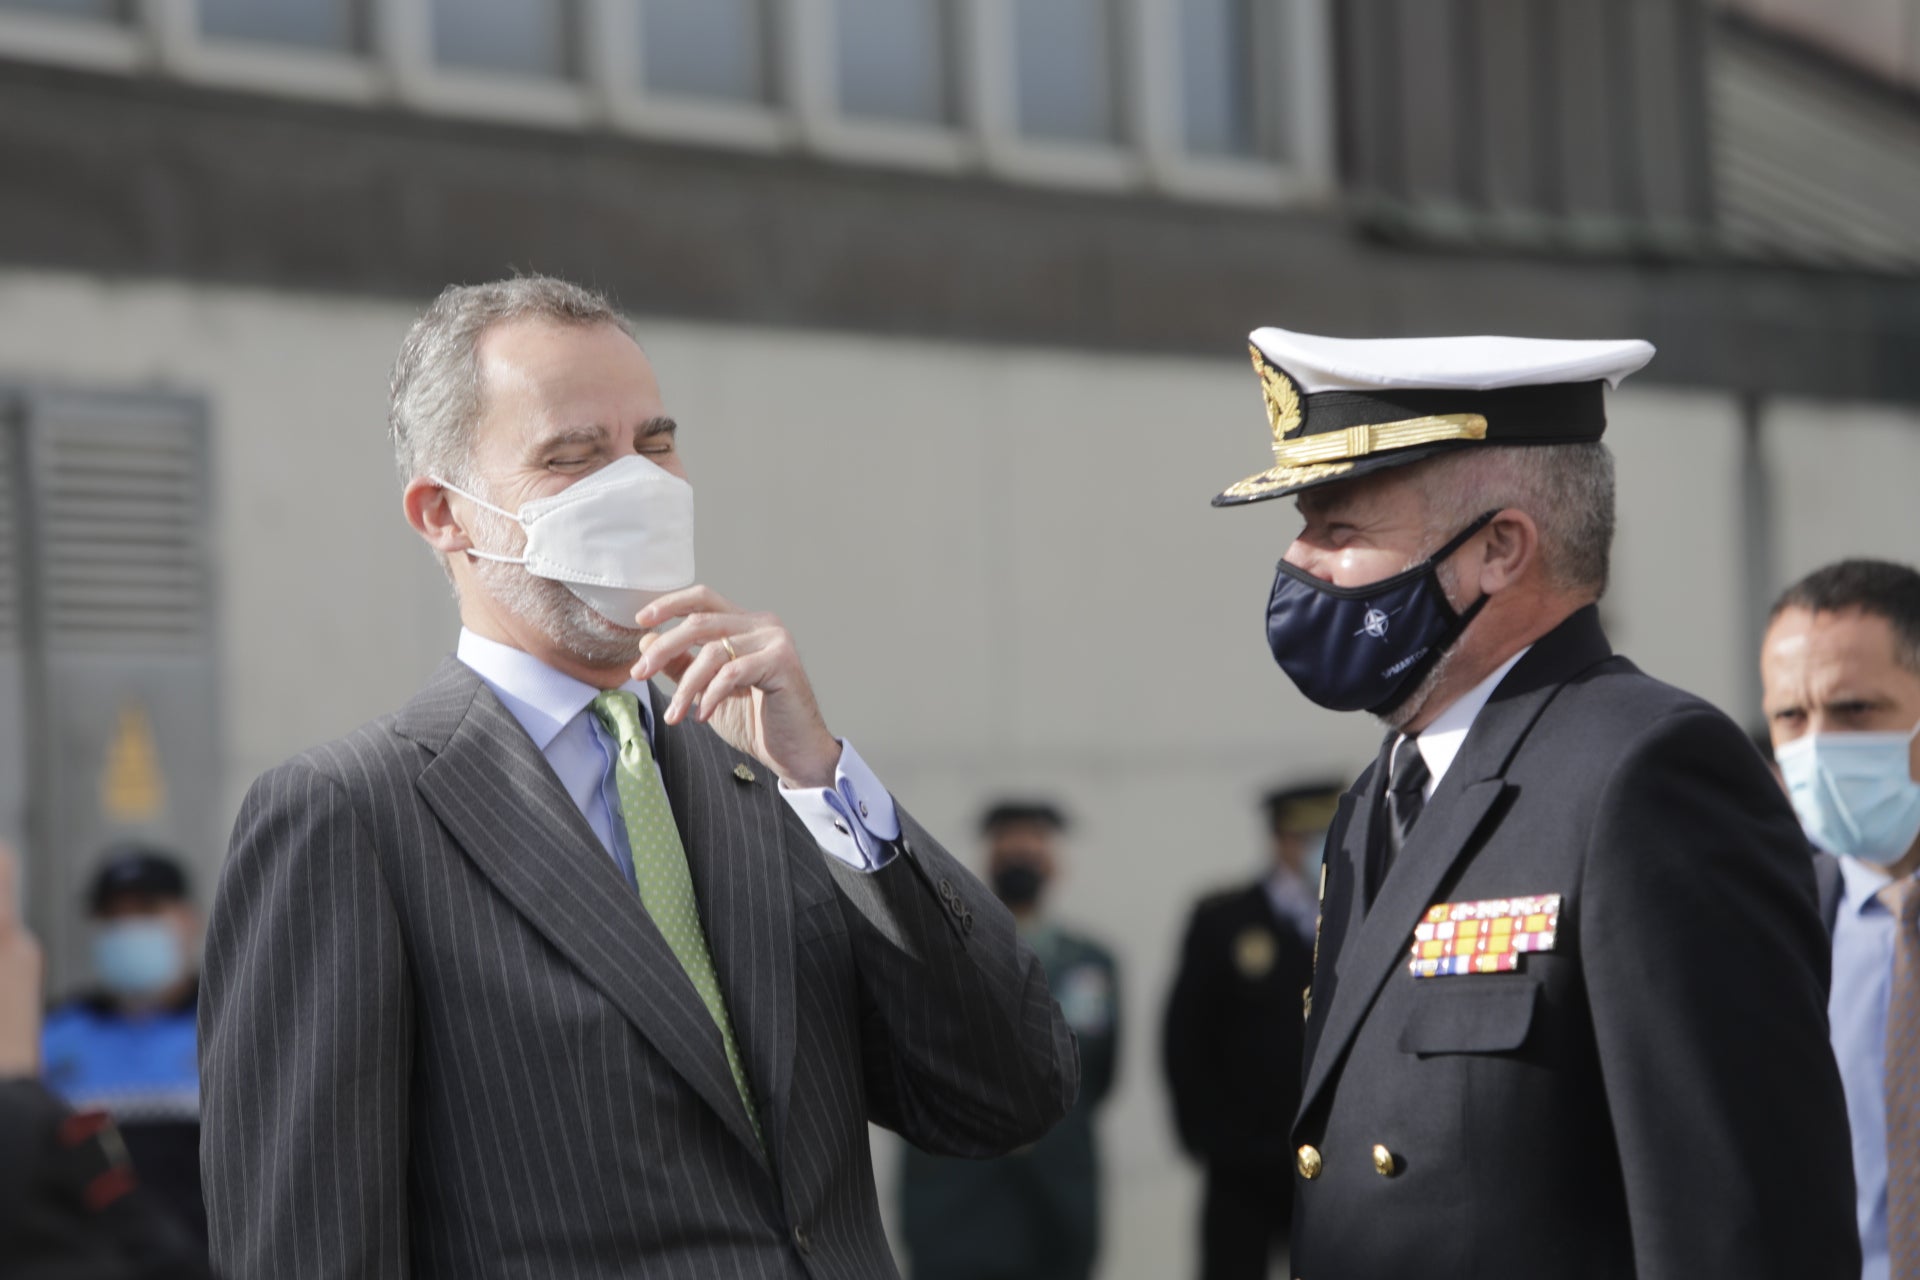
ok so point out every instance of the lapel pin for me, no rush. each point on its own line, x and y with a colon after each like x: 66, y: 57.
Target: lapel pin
x: 743, y: 773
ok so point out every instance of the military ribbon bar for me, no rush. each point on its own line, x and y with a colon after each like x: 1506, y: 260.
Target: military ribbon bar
x: 1490, y: 936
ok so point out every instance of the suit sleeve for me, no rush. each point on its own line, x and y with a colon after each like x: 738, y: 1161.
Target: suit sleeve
x: 1187, y: 1049
x: 305, y: 1033
x: 1706, y: 969
x: 964, y: 1051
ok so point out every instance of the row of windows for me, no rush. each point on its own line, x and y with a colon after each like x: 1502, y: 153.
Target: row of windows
x: 1232, y: 86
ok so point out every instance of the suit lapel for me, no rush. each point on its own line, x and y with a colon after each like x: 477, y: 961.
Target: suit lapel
x: 496, y: 793
x: 1377, y: 940
x: 735, y: 832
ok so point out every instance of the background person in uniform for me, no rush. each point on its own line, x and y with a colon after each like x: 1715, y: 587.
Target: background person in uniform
x: 1233, y: 1034
x: 551, y: 973
x: 71, y: 1203
x: 1033, y: 1215
x: 127, y: 1047
x: 1569, y: 1015
x: 1840, y: 669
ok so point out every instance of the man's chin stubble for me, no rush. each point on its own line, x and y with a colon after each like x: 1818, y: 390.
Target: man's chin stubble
x: 573, y: 625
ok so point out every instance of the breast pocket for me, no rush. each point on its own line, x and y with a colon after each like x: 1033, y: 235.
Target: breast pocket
x: 1461, y: 1015
x: 815, y: 921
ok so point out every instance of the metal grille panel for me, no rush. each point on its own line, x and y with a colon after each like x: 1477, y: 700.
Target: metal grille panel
x: 121, y: 522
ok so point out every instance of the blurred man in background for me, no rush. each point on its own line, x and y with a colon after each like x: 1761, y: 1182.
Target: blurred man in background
x: 71, y: 1203
x: 1233, y: 1036
x: 1033, y: 1215
x: 1569, y: 1012
x: 127, y: 1046
x: 1840, y: 670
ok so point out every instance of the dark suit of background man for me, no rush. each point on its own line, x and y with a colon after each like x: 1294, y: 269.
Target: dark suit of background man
x: 551, y: 974
x: 1840, y: 671
x: 1568, y: 1016
x: 1033, y: 1215
x: 1233, y: 1033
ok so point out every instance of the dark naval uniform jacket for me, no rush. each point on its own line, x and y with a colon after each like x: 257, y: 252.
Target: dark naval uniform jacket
x: 1231, y: 1045
x: 1649, y: 1095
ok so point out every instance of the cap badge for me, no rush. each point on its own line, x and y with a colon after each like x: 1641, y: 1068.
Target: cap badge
x: 1283, y: 398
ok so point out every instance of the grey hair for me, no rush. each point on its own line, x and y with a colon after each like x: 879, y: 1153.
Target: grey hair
x: 435, y: 396
x: 1566, y: 488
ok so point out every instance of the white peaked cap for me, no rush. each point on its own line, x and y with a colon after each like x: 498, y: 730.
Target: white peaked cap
x: 1342, y: 408
x: 1446, y: 364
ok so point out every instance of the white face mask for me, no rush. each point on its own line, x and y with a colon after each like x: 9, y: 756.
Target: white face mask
x: 618, y: 538
x: 1854, y: 792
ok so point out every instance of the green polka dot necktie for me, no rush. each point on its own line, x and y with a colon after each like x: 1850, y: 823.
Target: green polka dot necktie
x: 660, y: 869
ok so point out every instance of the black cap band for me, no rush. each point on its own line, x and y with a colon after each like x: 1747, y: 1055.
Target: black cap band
x: 1560, y: 413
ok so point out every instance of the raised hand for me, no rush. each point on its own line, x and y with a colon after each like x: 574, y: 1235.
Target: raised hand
x: 740, y: 673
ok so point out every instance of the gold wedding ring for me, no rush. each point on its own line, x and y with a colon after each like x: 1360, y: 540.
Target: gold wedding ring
x: 727, y: 644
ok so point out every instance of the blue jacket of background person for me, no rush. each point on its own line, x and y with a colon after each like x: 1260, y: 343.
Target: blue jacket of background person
x: 144, y: 1072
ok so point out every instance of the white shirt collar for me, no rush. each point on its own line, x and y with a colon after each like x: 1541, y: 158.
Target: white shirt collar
x: 1860, y: 884
x: 1441, y: 741
x: 543, y: 700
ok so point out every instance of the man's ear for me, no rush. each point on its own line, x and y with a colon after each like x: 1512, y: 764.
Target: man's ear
x: 429, y: 510
x: 1512, y: 544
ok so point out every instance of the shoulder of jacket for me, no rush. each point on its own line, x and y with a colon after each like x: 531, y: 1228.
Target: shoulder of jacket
x: 1226, y: 904
x: 371, y: 745
x: 1617, y: 699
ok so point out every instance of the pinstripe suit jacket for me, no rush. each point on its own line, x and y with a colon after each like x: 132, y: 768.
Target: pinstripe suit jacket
x: 441, y: 1037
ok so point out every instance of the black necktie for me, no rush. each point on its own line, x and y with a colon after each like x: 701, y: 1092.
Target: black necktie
x: 1406, y: 796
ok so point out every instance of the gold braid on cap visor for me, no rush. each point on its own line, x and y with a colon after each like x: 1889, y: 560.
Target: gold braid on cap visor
x: 1304, y: 459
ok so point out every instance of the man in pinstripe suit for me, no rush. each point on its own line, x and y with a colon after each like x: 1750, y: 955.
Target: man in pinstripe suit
x: 456, y: 1022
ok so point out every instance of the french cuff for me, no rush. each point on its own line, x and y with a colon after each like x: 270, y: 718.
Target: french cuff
x: 853, y: 820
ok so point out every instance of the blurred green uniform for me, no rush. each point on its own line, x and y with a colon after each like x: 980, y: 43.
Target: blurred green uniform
x: 1033, y: 1215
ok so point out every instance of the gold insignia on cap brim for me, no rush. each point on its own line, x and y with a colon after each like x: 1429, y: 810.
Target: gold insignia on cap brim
x: 1285, y: 477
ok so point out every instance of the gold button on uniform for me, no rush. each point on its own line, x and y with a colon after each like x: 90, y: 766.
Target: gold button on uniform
x: 1384, y: 1162
x: 1308, y: 1162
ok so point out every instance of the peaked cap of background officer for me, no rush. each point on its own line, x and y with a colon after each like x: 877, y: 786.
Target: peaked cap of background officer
x: 1340, y: 408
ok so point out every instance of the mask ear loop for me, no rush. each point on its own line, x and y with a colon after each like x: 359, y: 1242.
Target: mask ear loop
x: 1462, y: 619
x: 1459, y: 539
x: 479, y: 501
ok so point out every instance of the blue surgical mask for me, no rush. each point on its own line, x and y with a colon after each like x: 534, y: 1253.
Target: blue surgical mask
x: 138, y: 958
x: 1366, y: 648
x: 1855, y: 792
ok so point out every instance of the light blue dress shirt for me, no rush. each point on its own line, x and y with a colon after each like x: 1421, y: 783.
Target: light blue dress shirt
x: 854, y: 820
x: 1863, y: 938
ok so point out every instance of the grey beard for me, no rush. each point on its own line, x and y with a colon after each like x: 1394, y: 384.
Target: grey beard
x: 1415, y: 702
x: 548, y: 606
x: 1411, y: 705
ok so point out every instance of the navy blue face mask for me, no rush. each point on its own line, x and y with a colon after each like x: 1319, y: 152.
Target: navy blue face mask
x: 1366, y: 648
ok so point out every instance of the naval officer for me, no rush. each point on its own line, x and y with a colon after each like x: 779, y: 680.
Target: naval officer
x: 1568, y: 1013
